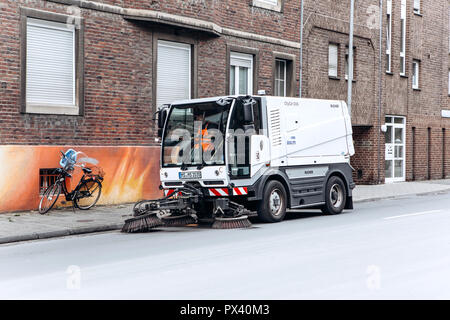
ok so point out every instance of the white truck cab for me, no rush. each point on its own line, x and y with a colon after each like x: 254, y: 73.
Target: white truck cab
x: 265, y: 153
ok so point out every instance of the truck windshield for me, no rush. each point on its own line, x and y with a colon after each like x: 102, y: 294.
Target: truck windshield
x: 194, y: 135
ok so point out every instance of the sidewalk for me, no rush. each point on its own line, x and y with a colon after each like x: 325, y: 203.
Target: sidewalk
x: 30, y: 225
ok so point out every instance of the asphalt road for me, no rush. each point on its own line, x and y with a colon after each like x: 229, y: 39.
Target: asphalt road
x: 390, y: 249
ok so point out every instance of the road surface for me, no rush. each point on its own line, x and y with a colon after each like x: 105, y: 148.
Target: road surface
x: 390, y: 249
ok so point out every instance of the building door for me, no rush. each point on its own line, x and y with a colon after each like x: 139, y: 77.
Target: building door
x: 395, y: 149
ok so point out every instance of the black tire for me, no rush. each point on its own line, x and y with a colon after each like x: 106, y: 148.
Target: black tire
x: 272, y: 207
x: 49, y: 198
x: 87, y: 194
x: 335, y: 196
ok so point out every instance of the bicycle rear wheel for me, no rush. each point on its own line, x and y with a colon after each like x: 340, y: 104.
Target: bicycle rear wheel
x: 87, y: 194
x: 49, y: 198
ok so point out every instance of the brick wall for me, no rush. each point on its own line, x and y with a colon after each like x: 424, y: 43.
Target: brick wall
x: 118, y: 69
x: 117, y: 102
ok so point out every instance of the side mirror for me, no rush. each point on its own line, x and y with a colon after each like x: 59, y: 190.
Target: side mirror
x: 248, y: 112
x: 162, y: 115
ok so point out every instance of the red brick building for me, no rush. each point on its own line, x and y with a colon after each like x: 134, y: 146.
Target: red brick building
x: 89, y: 75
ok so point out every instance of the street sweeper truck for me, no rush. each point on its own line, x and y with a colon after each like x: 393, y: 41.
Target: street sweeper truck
x: 226, y: 159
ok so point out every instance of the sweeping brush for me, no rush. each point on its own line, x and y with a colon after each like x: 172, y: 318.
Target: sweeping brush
x: 232, y: 223
x: 142, y: 223
x: 178, y: 221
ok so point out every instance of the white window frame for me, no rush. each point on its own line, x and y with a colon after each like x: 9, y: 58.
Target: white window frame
x: 403, y: 39
x: 330, y: 62
x: 243, y: 60
x: 49, y: 107
x: 417, y: 6
x: 389, y: 36
x: 284, y: 63
x: 415, y: 74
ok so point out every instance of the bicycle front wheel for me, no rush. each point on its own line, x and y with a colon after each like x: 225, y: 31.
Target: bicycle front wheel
x: 87, y: 194
x: 49, y: 198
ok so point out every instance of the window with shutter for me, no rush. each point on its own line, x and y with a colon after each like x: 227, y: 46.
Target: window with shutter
x: 333, y: 60
x: 50, y: 67
x: 173, y: 72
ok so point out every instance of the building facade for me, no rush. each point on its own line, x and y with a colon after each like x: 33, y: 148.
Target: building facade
x: 89, y: 75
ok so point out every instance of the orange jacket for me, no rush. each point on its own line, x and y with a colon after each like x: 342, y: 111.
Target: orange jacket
x: 205, y: 140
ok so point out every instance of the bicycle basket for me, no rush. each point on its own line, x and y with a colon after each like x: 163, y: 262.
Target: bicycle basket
x: 97, y: 171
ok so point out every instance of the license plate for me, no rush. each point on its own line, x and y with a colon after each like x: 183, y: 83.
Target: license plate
x: 190, y: 175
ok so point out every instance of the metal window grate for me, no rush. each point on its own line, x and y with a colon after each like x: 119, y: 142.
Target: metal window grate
x: 46, y: 178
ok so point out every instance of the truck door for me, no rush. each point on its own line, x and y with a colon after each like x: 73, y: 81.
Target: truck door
x: 239, y: 141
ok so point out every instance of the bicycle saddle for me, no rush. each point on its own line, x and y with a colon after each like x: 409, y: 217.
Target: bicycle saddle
x: 87, y: 170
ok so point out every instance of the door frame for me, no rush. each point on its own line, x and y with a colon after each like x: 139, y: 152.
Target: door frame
x: 394, y: 126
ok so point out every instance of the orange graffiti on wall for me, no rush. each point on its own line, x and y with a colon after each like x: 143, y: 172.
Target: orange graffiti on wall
x: 131, y: 173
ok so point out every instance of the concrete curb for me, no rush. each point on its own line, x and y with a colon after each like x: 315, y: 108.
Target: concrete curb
x: 403, y: 195
x: 60, y: 233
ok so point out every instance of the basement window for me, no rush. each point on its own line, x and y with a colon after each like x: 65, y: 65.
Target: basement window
x: 47, y: 177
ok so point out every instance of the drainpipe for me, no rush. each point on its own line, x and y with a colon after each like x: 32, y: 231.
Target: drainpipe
x: 301, y: 48
x: 350, y: 59
x: 380, y: 90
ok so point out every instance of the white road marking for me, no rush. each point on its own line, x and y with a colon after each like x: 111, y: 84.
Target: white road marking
x: 413, y: 214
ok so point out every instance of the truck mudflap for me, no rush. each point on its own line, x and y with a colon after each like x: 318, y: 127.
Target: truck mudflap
x: 349, y: 203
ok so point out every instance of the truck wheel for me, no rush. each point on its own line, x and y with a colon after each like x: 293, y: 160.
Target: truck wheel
x: 335, y: 196
x: 272, y: 207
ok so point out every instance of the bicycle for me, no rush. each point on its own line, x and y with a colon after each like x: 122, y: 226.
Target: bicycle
x: 84, y: 196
